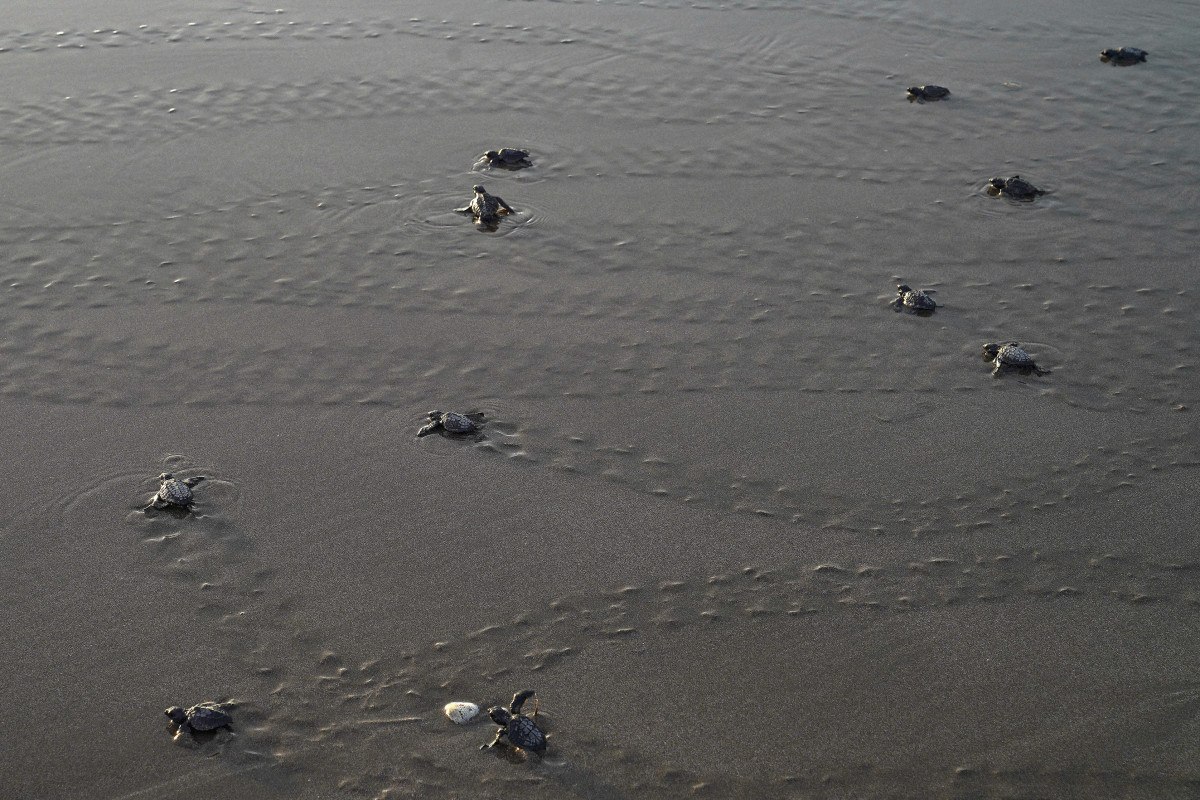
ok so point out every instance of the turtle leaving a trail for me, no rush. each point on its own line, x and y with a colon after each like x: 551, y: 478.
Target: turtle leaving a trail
x: 174, y: 492
x: 451, y: 422
x: 486, y: 208
x: 200, y: 718
x: 507, y: 158
x: 915, y: 300
x: 919, y: 94
x: 1015, y: 187
x: 1123, y: 56
x: 520, y: 731
x: 1006, y: 356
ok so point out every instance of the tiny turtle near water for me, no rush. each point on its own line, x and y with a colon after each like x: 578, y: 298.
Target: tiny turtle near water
x: 913, y: 300
x: 927, y: 92
x: 1010, y: 356
x: 1015, y: 187
x: 450, y: 422
x: 507, y: 158
x: 207, y: 716
x: 1123, y: 56
x: 174, y: 492
x: 486, y: 208
x: 518, y: 729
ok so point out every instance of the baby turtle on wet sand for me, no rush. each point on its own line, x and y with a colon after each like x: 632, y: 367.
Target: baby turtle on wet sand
x: 173, y: 492
x: 486, y: 208
x: 450, y: 422
x: 927, y: 92
x: 913, y: 300
x: 1014, y: 187
x: 1123, y: 56
x: 507, y: 158
x: 1010, y: 356
x: 520, y: 730
x: 207, y: 716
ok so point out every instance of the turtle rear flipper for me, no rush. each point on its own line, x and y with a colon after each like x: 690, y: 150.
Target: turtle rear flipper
x: 518, y: 701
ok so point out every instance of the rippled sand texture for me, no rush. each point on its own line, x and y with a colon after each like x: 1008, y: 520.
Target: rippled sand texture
x: 748, y: 531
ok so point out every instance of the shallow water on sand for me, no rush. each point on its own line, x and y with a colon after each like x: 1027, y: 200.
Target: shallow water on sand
x: 748, y: 531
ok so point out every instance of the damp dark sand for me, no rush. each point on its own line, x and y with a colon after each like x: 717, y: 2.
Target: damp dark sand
x: 748, y: 532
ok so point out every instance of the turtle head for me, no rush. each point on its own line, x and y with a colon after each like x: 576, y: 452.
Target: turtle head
x: 999, y: 183
x: 903, y: 289
x: 500, y: 715
x: 1108, y: 53
x: 914, y: 90
x: 991, y: 350
x: 176, y: 715
x: 478, y: 189
x: 434, y: 415
x: 491, y: 154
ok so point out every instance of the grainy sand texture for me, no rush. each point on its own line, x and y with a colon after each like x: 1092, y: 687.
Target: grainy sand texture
x: 747, y: 529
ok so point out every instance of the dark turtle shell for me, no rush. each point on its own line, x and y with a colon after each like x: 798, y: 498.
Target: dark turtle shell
x: 914, y: 299
x: 1123, y: 56
x: 175, y: 492
x: 1015, y: 187
x: 524, y: 733
x: 454, y: 422
x: 207, y: 716
x: 928, y: 92
x: 507, y: 157
x: 1014, y: 355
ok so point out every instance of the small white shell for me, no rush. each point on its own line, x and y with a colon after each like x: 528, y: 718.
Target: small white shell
x: 461, y: 713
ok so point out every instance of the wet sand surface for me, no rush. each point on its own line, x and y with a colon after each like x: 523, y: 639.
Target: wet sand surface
x: 748, y: 531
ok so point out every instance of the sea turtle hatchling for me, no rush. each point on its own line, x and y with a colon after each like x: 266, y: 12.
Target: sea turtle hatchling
x: 207, y: 716
x: 486, y: 208
x: 174, y: 492
x: 1015, y: 187
x: 1123, y: 56
x: 518, y: 729
x: 929, y: 91
x: 450, y: 422
x: 507, y: 158
x: 916, y: 300
x: 1010, y: 356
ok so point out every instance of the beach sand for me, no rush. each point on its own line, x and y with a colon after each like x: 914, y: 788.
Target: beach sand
x: 747, y: 531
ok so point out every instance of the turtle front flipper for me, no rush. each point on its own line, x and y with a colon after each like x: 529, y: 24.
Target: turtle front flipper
x: 500, y: 734
x: 432, y: 427
x: 507, y: 208
x: 464, y: 210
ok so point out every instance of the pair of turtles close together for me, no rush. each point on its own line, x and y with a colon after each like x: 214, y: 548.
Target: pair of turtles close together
x: 514, y: 727
x: 485, y: 208
x: 1004, y: 356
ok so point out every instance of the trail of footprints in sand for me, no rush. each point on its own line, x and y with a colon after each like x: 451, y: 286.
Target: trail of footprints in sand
x: 387, y: 708
x: 146, y: 114
x: 775, y: 79
x: 393, y: 698
x: 207, y: 554
x: 242, y: 25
